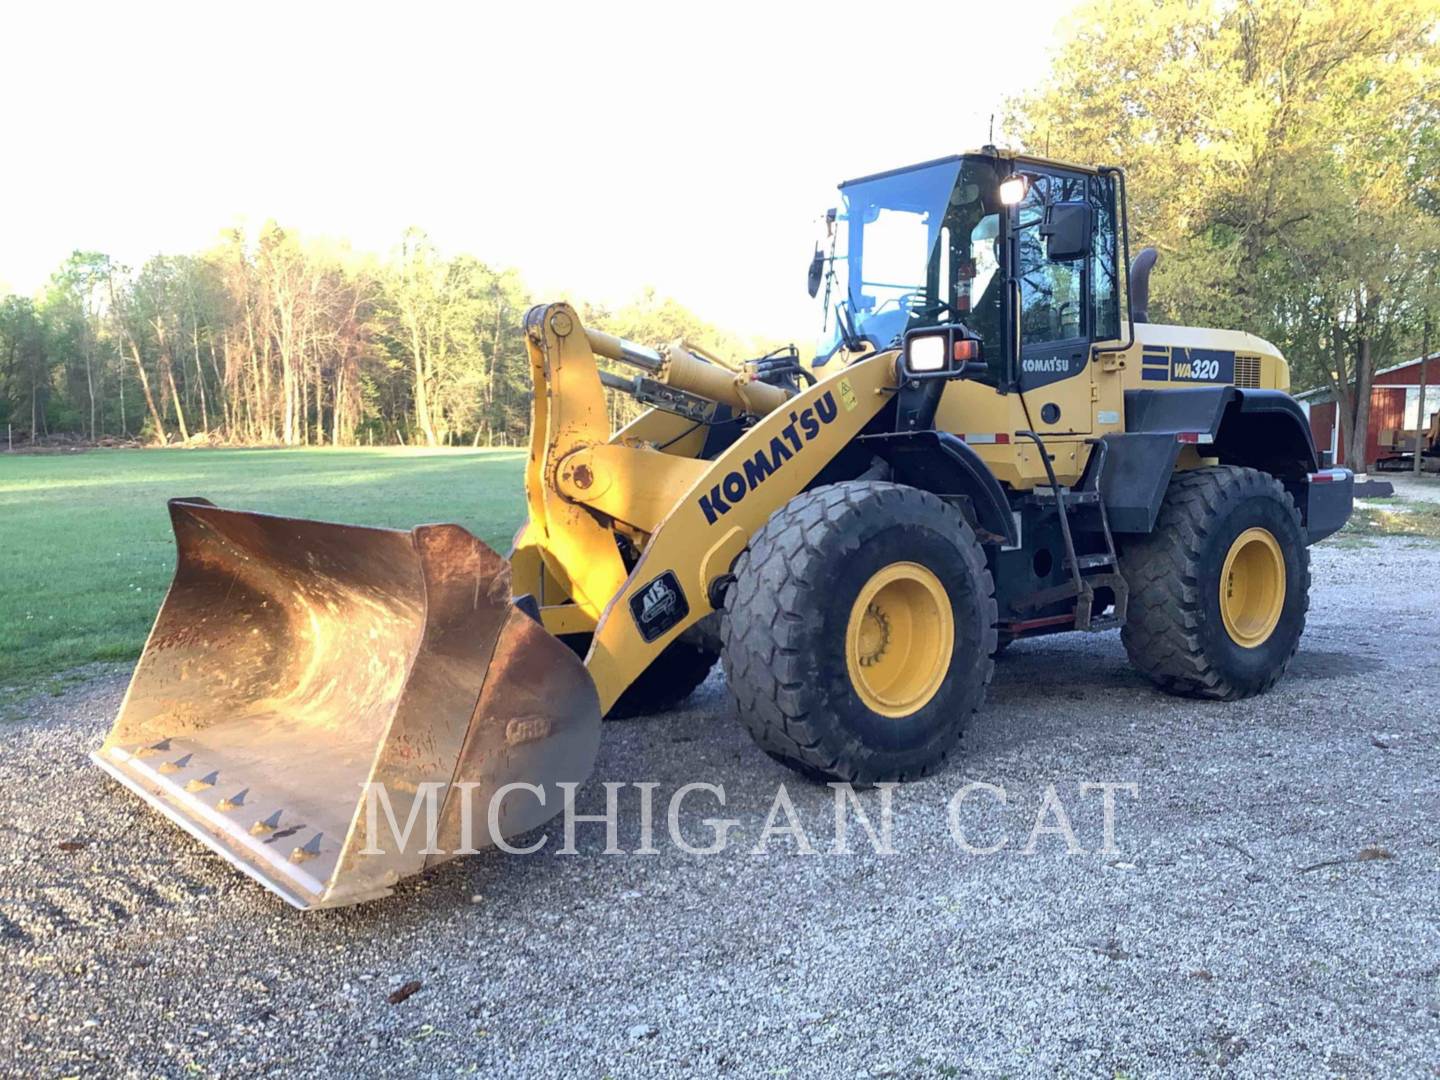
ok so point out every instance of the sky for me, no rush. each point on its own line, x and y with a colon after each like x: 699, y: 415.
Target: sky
x: 598, y: 148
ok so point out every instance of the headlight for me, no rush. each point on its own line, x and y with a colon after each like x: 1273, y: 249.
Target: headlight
x: 927, y: 353
x: 937, y: 353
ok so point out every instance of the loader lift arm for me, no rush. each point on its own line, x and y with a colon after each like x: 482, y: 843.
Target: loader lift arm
x: 688, y: 519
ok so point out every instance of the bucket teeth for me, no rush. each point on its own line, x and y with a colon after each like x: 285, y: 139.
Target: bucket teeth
x: 203, y: 783
x: 270, y: 824
x: 234, y: 802
x: 309, y: 851
x: 177, y: 764
x: 161, y: 747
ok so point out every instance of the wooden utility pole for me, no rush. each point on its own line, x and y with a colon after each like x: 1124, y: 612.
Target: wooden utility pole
x: 1422, y: 429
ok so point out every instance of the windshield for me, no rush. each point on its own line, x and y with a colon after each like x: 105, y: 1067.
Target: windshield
x: 917, y: 248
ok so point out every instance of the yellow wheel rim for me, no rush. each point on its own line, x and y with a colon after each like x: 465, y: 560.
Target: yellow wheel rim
x: 899, y: 639
x: 1252, y: 588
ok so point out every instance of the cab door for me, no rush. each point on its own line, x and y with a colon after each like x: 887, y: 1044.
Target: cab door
x: 1056, y: 375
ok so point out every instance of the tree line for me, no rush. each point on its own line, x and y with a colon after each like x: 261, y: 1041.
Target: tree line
x: 1284, y: 158
x: 275, y: 340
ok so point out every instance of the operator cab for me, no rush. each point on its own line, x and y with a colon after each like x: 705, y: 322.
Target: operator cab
x: 973, y: 241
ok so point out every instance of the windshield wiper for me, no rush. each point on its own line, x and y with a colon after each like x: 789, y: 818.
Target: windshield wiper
x: 852, y: 341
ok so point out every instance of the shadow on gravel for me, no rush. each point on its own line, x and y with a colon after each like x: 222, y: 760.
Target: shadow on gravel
x: 1330, y: 664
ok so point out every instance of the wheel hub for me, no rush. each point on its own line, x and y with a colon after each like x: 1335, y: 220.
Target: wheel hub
x: 899, y: 640
x: 874, y: 635
x: 1252, y: 588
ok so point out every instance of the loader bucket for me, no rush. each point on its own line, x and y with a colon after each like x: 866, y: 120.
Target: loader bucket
x: 308, y: 687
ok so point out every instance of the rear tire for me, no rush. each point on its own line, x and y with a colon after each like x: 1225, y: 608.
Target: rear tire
x: 858, y: 635
x: 1189, y: 627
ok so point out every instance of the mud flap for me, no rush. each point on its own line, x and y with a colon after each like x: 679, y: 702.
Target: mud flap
x: 306, y: 683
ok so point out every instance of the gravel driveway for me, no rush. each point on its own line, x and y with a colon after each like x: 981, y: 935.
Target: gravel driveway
x: 1237, y: 930
x: 1407, y: 486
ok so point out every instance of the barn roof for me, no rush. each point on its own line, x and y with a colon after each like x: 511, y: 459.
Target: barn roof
x: 1324, y: 393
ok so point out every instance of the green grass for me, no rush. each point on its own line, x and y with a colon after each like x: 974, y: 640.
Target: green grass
x: 1393, y: 517
x: 88, y: 552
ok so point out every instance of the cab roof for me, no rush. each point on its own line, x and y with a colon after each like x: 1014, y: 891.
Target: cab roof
x: 1011, y: 156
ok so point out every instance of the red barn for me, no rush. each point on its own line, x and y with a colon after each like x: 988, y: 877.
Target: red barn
x: 1394, y: 405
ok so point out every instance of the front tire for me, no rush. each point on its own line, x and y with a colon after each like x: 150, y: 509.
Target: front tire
x: 858, y: 635
x: 1219, y: 589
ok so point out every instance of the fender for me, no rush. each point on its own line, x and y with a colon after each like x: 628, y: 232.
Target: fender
x: 1178, y: 410
x: 1267, y: 429
x: 943, y: 464
x: 1264, y: 429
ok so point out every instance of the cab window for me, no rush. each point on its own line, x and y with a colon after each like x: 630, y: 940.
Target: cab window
x: 1104, y: 288
x: 1052, y: 294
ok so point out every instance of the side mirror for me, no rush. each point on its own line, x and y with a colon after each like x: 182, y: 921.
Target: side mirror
x: 1066, y: 230
x: 816, y: 274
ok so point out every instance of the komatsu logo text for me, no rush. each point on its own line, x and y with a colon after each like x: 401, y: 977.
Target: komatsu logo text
x: 804, y: 425
x: 1045, y: 364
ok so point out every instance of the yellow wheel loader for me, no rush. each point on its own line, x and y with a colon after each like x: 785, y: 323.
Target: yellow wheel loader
x: 994, y: 442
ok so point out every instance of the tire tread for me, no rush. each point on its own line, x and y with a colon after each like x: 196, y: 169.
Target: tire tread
x: 770, y: 609
x: 1162, y: 632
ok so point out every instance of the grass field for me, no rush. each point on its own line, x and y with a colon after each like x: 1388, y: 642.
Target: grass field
x: 88, y: 551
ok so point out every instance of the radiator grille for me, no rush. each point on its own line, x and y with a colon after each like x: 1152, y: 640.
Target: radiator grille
x: 1247, y: 371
